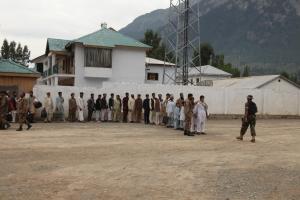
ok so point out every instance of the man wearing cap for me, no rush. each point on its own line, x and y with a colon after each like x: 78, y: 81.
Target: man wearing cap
x: 23, y: 109
x: 188, y: 111
x: 249, y: 119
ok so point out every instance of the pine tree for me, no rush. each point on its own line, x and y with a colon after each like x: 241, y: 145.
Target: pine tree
x: 19, y: 53
x: 26, y: 55
x: 12, y: 50
x: 5, y: 50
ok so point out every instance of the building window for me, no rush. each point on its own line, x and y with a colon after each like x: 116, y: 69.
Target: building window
x: 96, y: 57
x: 197, y: 80
x: 152, y: 76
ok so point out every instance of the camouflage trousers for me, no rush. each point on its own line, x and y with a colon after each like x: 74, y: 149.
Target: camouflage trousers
x: 23, y: 119
x: 251, y: 121
x: 187, y: 123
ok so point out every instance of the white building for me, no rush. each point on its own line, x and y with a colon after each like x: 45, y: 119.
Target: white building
x: 275, y: 83
x: 205, y: 75
x: 88, y: 61
x: 155, y: 70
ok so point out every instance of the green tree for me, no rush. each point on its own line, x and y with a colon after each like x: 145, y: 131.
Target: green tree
x: 206, y: 54
x: 19, y: 53
x: 285, y: 74
x: 25, y: 55
x: 246, y: 72
x: 12, y: 50
x: 159, y: 49
x: 5, y: 50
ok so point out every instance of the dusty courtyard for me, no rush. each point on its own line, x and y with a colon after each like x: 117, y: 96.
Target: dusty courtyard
x: 134, y: 161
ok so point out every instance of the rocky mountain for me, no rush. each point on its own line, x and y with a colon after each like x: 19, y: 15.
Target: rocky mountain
x: 264, y: 34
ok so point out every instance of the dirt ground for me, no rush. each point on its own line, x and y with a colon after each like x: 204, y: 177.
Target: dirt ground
x: 133, y: 161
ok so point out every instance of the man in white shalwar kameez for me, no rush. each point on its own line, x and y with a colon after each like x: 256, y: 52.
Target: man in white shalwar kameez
x: 201, y: 116
x: 80, y: 106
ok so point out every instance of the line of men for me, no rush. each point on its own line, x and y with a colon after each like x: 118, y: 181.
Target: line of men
x: 189, y: 115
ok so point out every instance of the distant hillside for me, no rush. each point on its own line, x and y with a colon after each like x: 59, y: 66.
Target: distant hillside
x: 264, y: 34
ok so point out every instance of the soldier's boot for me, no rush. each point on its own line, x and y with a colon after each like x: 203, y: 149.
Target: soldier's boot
x: 20, y: 128
x: 28, y: 126
x: 253, y: 140
x: 240, y: 138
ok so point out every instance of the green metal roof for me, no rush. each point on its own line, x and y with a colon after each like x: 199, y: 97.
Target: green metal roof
x: 109, y: 38
x: 56, y: 44
x: 8, y: 66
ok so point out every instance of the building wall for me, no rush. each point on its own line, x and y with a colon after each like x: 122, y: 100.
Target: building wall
x: 220, y: 101
x: 24, y: 84
x: 128, y: 65
x: 281, y: 85
x: 160, y: 70
x: 80, y: 79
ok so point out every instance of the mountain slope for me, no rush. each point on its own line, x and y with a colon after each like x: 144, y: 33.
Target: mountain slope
x: 262, y: 33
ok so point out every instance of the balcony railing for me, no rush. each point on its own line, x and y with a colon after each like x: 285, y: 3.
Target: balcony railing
x: 53, y: 70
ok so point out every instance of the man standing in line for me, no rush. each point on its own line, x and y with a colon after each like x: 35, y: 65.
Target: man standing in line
x: 32, y: 109
x: 125, y: 107
x: 161, y: 101
x: 111, y: 107
x: 131, y: 108
x: 170, y: 112
x: 249, y: 119
x: 138, y: 108
x: 104, y: 107
x: 201, y: 112
x: 188, y: 109
x: 152, y: 112
x: 72, y: 108
x: 98, y: 108
x: 164, y: 109
x: 80, y: 107
x: 48, y: 105
x: 146, y: 106
x: 157, y: 106
x: 59, y: 102
x: 91, y: 107
x: 22, y: 105
x: 117, y: 109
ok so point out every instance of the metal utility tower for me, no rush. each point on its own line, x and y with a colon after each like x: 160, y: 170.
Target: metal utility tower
x: 182, y: 37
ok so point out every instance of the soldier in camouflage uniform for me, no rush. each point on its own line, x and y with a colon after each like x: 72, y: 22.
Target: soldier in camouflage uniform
x: 249, y: 119
x: 4, y: 124
x: 23, y: 108
x: 188, y: 110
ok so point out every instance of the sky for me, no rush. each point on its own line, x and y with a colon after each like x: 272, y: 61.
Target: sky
x: 31, y: 22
